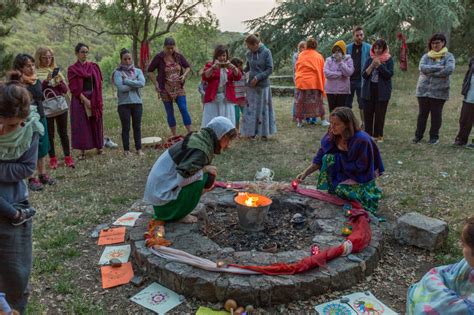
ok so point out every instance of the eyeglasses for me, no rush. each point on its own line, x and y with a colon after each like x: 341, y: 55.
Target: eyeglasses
x: 85, y: 52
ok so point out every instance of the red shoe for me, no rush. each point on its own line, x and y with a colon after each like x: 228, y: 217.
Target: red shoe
x: 34, y: 184
x: 69, y: 162
x: 53, y: 163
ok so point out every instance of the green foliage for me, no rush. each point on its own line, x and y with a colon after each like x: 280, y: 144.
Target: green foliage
x: 291, y: 21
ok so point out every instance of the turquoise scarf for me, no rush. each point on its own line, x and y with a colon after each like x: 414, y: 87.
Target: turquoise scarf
x: 17, y: 142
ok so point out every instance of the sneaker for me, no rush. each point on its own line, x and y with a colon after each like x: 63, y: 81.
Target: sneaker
x: 34, y: 184
x: 26, y: 214
x: 325, y: 123
x: 433, y: 141
x: 314, y: 120
x: 299, y: 124
x: 416, y: 140
x: 69, y: 162
x: 108, y: 143
x: 379, y: 139
x: 53, y: 163
x: 46, y: 180
x: 458, y: 143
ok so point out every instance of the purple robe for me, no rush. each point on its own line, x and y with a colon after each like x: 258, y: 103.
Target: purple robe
x: 86, y: 132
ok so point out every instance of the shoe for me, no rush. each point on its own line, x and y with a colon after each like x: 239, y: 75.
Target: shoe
x: 325, y: 123
x: 416, y: 140
x: 433, y: 141
x: 26, y: 214
x: 108, y: 143
x: 299, y: 125
x: 140, y: 153
x: 314, y: 121
x: 46, y: 180
x: 458, y: 143
x: 69, y: 162
x: 53, y: 163
x: 34, y: 184
x: 379, y: 139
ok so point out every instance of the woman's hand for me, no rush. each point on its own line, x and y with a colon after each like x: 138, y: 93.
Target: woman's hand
x: 216, y: 64
x: 211, y: 169
x: 301, y: 177
x: 182, y: 78
x: 86, y: 102
x: 376, y: 62
x: 254, y: 82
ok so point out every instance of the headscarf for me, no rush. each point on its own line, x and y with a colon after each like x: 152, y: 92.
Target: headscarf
x: 17, y: 142
x: 438, y: 55
x: 383, y: 57
x: 220, y: 125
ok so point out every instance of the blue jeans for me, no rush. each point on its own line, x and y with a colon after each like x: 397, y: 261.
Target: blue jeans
x: 183, y: 108
x: 16, y: 260
x: 356, y: 88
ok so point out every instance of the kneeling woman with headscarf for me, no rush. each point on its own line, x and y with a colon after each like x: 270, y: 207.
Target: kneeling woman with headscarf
x: 184, y: 172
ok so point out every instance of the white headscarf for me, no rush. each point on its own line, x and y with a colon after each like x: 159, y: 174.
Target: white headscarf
x: 220, y: 125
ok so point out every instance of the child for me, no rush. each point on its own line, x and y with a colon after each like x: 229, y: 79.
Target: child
x: 466, y: 120
x: 20, y: 130
x: 447, y: 289
x: 239, y: 87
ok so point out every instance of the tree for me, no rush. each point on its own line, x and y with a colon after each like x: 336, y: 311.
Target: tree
x: 291, y: 21
x: 143, y: 21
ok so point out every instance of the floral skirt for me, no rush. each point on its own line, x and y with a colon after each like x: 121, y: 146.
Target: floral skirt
x: 368, y: 194
x: 308, y: 104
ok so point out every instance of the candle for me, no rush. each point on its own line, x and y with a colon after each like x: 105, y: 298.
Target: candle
x: 220, y: 263
x: 314, y: 249
x: 346, y: 231
x: 348, y: 213
x: 294, y: 184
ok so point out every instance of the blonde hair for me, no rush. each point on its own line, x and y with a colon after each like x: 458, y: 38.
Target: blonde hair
x: 41, y: 51
x: 253, y: 39
x: 302, y: 44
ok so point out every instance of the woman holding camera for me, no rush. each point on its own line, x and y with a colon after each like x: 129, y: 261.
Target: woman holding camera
x: 219, y: 98
x: 53, y: 84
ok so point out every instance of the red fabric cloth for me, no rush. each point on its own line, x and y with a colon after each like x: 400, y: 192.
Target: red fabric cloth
x: 403, y: 52
x: 76, y: 74
x: 213, y: 84
x: 360, y: 238
x: 144, y: 55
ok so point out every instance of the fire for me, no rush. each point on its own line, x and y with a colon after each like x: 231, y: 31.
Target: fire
x: 251, y: 201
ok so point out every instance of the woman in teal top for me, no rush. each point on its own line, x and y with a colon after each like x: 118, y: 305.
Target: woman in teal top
x: 129, y: 80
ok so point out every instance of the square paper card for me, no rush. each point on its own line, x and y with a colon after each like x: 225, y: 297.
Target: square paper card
x: 114, y: 276
x: 128, y: 219
x: 359, y: 303
x: 112, y: 236
x: 121, y: 252
x: 158, y: 298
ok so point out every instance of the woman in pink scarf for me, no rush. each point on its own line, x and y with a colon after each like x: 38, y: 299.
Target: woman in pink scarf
x: 85, y: 84
x: 377, y: 88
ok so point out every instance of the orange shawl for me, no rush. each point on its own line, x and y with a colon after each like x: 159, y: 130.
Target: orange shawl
x: 309, y: 71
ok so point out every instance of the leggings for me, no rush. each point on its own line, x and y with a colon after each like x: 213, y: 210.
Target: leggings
x: 182, y: 106
x: 134, y: 111
x: 61, y: 123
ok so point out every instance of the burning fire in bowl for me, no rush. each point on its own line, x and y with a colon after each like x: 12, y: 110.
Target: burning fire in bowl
x: 252, y: 210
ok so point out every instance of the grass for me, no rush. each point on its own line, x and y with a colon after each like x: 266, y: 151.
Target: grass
x: 433, y: 180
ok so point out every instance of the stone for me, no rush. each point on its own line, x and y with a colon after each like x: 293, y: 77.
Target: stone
x: 114, y: 262
x: 421, y: 231
x: 96, y: 231
x: 137, y: 280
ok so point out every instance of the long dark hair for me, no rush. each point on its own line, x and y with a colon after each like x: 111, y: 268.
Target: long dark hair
x: 346, y: 115
x: 14, y: 98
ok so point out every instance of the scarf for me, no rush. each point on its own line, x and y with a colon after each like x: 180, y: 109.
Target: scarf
x: 129, y: 71
x: 17, y: 142
x: 76, y: 73
x: 437, y: 55
x: 383, y: 57
x: 43, y: 73
x: 28, y: 80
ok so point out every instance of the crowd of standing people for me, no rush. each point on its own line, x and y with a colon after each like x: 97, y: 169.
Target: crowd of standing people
x: 38, y: 100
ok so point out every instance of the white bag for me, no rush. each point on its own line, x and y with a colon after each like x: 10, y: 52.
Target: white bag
x: 54, y: 105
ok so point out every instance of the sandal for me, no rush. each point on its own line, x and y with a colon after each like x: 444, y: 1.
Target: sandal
x: 82, y: 156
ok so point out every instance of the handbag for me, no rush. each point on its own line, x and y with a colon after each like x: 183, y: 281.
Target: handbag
x: 54, y: 105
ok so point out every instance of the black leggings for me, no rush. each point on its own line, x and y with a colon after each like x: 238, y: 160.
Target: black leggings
x: 374, y: 113
x: 427, y: 106
x: 337, y: 100
x: 61, y: 122
x: 135, y: 111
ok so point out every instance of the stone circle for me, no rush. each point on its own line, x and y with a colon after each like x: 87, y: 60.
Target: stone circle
x: 260, y: 290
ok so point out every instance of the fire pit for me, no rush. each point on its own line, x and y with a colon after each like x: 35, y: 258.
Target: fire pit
x: 252, y: 210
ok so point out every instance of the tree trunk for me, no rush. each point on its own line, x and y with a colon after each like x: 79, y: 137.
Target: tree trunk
x: 135, y: 51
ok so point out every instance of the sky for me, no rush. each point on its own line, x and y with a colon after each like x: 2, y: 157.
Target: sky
x: 231, y: 13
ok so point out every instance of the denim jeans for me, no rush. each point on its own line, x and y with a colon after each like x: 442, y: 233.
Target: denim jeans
x: 15, y: 262
x: 183, y: 108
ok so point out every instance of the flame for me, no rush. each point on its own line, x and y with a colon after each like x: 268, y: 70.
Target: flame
x: 251, y: 201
